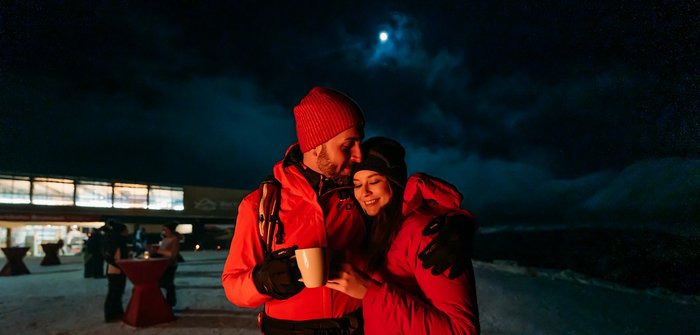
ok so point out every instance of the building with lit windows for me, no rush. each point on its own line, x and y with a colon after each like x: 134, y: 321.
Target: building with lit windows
x: 43, y: 209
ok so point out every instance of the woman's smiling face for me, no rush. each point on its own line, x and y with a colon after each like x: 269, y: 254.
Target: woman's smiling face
x: 372, y: 191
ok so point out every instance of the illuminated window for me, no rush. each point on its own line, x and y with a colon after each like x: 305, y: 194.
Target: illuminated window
x: 93, y: 194
x: 15, y: 190
x: 130, y: 195
x: 166, y: 198
x: 51, y: 191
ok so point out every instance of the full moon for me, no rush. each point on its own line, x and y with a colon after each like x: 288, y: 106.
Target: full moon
x: 383, y: 36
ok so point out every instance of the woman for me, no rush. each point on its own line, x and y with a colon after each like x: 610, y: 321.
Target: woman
x: 115, y: 249
x: 399, y: 295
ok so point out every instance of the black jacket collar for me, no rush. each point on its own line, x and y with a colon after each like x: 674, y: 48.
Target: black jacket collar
x: 320, y: 183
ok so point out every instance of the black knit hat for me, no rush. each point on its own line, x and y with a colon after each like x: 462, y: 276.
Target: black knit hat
x: 172, y: 226
x: 385, y: 156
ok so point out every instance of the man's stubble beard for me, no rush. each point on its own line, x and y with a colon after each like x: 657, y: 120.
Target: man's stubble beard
x: 330, y: 169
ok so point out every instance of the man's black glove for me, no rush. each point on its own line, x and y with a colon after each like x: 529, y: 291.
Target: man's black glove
x: 278, y: 276
x: 452, y: 247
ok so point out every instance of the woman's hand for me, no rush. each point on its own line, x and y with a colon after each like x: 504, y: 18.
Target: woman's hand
x: 350, y: 281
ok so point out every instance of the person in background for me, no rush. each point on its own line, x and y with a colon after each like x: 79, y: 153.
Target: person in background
x: 316, y: 210
x: 60, y: 246
x: 169, y: 247
x: 402, y: 297
x: 115, y: 248
x: 140, y: 241
x: 94, y: 260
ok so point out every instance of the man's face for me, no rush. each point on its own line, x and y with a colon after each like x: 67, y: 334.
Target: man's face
x: 339, y: 154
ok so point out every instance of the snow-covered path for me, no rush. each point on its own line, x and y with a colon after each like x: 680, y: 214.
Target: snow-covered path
x: 512, y: 300
x: 529, y: 302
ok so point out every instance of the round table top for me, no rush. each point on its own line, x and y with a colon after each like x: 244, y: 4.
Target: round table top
x: 144, y: 270
x: 15, y: 251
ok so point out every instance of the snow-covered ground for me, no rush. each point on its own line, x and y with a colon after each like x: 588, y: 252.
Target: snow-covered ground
x: 512, y: 300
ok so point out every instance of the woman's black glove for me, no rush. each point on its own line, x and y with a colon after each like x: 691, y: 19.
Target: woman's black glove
x: 452, y: 247
x: 278, y: 276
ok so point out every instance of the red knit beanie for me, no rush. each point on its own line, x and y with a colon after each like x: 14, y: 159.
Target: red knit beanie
x: 324, y: 113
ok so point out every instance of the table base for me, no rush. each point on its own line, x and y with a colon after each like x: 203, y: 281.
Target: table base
x: 50, y: 259
x: 147, y: 307
x: 13, y: 269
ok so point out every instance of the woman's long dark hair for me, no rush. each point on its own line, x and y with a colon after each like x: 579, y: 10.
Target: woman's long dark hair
x: 383, y: 228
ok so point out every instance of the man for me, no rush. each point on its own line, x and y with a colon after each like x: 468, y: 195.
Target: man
x: 169, y: 247
x: 139, y: 241
x: 316, y: 209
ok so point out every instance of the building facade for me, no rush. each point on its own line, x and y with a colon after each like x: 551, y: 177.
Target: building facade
x: 36, y: 209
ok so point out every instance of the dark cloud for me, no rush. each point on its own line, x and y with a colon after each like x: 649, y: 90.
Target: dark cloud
x: 547, y: 109
x: 647, y: 194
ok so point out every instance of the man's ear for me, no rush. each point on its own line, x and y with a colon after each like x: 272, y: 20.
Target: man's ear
x: 317, y: 150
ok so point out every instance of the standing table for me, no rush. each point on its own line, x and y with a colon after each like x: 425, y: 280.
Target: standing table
x: 15, y: 265
x: 50, y: 254
x: 147, y: 305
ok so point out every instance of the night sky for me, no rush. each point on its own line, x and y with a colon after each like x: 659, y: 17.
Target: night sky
x: 557, y: 112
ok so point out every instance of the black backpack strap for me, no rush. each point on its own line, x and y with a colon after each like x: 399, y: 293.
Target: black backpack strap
x: 270, y: 227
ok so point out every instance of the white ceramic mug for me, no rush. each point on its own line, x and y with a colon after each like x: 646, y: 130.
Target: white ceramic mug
x: 312, y: 265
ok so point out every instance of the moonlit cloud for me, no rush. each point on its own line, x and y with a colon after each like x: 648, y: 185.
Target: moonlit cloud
x: 403, y: 46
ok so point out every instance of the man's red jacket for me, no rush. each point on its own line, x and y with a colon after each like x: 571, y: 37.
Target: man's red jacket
x: 309, y: 221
